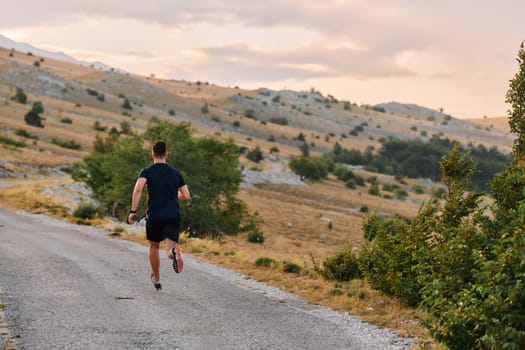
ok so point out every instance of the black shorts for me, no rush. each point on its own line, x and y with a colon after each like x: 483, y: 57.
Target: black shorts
x: 157, y: 231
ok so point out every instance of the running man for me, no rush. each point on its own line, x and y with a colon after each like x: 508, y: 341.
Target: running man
x: 165, y: 186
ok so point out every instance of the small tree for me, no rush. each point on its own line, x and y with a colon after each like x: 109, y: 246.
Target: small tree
x: 255, y: 155
x: 20, y: 96
x: 125, y: 128
x: 33, y: 116
x: 126, y: 104
x: 314, y: 168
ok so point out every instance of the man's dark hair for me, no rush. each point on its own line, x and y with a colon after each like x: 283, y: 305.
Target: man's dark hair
x: 159, y: 148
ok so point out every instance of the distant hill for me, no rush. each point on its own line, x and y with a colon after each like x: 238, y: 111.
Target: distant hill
x: 412, y: 110
x: 82, y: 95
x: 7, y: 43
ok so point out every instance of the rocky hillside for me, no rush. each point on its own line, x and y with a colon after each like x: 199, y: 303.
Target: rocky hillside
x: 75, y: 97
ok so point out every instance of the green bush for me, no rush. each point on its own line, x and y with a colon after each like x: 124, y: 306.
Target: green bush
x: 279, y: 121
x: 87, y: 210
x: 256, y: 236
x: 310, y: 167
x: 400, y: 193
x: 33, y: 119
x: 20, y: 96
x: 342, y: 266
x: 66, y: 120
x: 214, y: 208
x: 374, y: 189
x: 255, y: 155
x: 250, y: 113
x: 126, y: 104
x: 97, y: 126
x: 265, y: 261
x: 26, y: 134
x: 290, y: 267
x: 71, y: 144
x: 9, y: 141
x: 33, y: 116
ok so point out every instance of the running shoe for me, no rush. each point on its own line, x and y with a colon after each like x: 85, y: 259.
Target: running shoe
x: 157, y: 285
x: 177, y: 259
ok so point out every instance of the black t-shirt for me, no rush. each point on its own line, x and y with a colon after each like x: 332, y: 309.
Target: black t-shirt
x: 163, y: 182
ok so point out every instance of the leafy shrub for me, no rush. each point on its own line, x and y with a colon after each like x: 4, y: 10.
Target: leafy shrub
x: 26, y: 134
x: 265, y: 261
x: 66, y: 120
x: 71, y: 144
x: 33, y: 116
x: 171, y: 112
x: 256, y: 236
x: 280, y: 121
x: 216, y: 210
x: 99, y: 127
x: 374, y: 189
x: 20, y: 96
x: 342, y: 266
x: 290, y: 267
x: 125, y: 128
x: 418, y: 189
x: 400, y: 193
x: 255, y: 155
x: 87, y: 210
x: 310, y: 167
x: 9, y: 141
x: 92, y: 92
x: 348, y: 176
x: 126, y: 104
x: 250, y: 113
x: 33, y: 119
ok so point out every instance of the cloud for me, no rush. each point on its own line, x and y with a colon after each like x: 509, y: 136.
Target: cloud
x: 243, y: 63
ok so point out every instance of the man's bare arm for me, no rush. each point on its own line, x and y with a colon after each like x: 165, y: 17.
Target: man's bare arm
x: 184, y: 193
x: 135, y: 198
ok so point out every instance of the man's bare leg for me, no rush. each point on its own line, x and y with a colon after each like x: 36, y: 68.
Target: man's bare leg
x: 154, y: 259
x: 170, y: 245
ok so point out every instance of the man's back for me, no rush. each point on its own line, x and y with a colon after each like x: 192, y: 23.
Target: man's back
x: 163, y: 182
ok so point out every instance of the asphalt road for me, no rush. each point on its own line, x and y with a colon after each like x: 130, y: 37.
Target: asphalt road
x: 72, y: 287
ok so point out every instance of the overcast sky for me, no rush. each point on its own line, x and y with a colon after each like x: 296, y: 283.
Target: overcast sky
x: 453, y: 54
